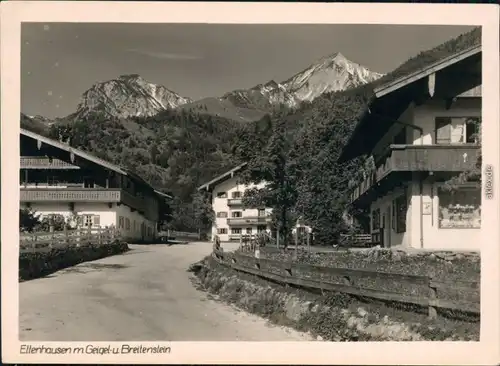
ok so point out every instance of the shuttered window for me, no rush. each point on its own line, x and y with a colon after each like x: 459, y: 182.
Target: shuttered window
x: 443, y: 130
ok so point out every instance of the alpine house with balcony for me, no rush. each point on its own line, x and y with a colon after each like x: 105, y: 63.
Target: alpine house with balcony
x: 421, y: 130
x: 232, y: 219
x: 90, y: 192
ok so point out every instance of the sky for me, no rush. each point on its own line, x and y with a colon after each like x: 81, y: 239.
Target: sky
x: 60, y: 61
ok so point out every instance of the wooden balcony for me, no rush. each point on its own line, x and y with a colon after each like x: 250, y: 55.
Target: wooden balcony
x: 111, y: 195
x: 235, y: 201
x: 249, y: 220
x: 420, y: 158
x: 28, y: 162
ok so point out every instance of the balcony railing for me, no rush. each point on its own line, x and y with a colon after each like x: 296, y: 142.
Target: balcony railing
x: 421, y: 158
x: 235, y: 201
x: 45, y: 163
x: 82, y: 195
x: 70, y: 195
x: 248, y: 220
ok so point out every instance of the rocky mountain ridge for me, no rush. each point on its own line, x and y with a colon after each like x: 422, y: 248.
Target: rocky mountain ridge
x: 133, y: 96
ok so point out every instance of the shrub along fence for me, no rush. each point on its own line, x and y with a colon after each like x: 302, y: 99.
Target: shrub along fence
x: 43, y: 253
x: 313, y: 277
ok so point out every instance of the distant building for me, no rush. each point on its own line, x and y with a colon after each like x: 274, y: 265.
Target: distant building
x: 58, y: 179
x: 420, y: 130
x: 232, y: 220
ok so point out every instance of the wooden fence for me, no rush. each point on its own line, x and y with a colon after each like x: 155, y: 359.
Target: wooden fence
x: 292, y: 274
x: 46, y: 241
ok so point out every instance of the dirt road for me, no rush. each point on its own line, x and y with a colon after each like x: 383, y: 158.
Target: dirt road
x: 143, y: 295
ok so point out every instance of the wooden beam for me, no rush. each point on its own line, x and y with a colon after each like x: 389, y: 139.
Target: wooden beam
x: 431, y: 84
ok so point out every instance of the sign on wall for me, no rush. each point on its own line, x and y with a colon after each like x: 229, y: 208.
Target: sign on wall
x: 460, y: 209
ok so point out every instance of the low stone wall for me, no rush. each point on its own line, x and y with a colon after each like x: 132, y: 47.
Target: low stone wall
x: 334, y: 317
x: 35, y: 265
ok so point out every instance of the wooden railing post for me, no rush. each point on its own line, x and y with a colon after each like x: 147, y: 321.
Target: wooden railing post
x: 66, y: 238
x: 433, y: 295
x: 52, y: 236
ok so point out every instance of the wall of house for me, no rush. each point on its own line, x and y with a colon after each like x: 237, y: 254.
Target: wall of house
x: 391, y: 236
x: 424, y: 207
x: 129, y: 223
x: 221, y: 205
x: 425, y: 114
x: 107, y: 215
x: 435, y: 237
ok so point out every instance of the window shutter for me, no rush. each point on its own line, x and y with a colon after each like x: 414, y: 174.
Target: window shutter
x: 97, y: 220
x: 79, y: 220
x: 443, y: 130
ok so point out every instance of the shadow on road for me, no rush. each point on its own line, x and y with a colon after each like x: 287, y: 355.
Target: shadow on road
x: 88, y: 267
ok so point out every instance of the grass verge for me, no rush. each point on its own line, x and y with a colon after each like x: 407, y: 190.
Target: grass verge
x: 329, y: 316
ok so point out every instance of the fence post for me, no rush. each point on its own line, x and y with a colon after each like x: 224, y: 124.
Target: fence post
x: 52, y: 236
x: 66, y: 239
x: 432, y: 296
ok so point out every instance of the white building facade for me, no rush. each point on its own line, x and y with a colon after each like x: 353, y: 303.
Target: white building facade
x: 432, y: 139
x: 88, y: 192
x: 232, y: 219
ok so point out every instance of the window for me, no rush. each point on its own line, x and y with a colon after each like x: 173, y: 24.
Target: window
x: 222, y: 214
x: 460, y: 208
x: 236, y: 214
x: 221, y: 194
x: 127, y: 223
x: 91, y: 220
x: 399, y: 209
x: 262, y: 212
x: 236, y: 230
x: 121, y: 222
x: 376, y: 219
x: 249, y: 230
x: 456, y: 130
x: 222, y: 231
x: 236, y: 195
x: 261, y: 228
x: 472, y: 130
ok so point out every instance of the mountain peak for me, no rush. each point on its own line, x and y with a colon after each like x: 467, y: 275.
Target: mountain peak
x: 127, y: 96
x: 329, y: 74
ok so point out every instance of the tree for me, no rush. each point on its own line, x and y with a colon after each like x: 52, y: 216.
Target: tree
x: 28, y: 220
x: 274, y: 166
x: 203, y: 212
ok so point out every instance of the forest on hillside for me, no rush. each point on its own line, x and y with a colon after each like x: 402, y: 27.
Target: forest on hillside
x: 178, y: 150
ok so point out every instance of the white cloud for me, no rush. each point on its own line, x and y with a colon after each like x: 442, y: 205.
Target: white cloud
x: 166, y: 55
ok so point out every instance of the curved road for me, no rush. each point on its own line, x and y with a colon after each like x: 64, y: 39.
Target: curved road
x: 145, y: 294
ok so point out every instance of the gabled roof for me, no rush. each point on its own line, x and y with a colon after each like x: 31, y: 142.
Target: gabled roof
x: 68, y: 148
x: 425, y: 71
x: 221, y: 178
x: 394, y: 97
x: 89, y: 157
